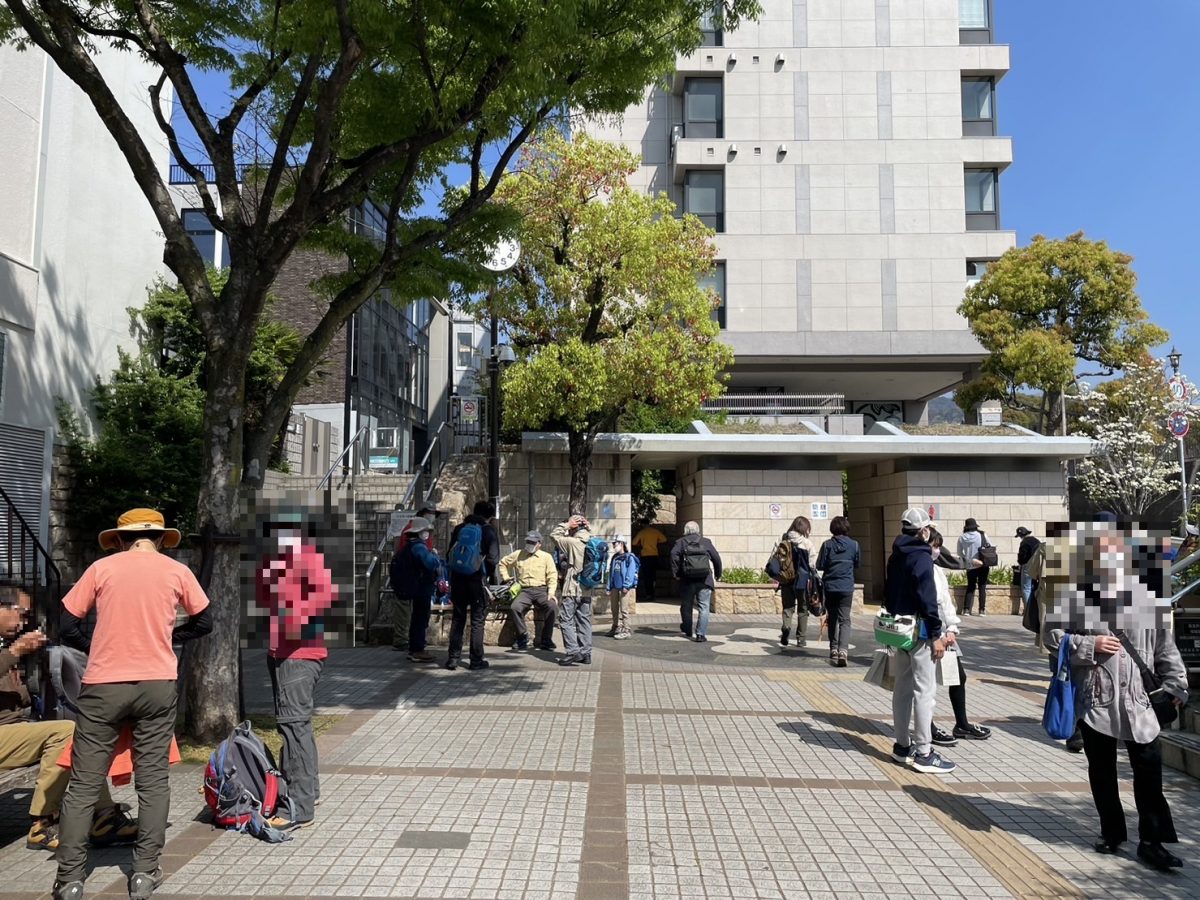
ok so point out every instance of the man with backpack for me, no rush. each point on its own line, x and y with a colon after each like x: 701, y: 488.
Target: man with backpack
x: 472, y: 560
x: 413, y: 574
x: 696, y: 565
x: 584, y: 557
x: 977, y: 555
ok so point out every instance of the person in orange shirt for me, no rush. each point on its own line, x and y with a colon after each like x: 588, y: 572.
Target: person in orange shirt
x: 129, y: 679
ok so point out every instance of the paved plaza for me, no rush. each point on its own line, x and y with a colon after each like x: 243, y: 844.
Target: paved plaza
x: 666, y: 769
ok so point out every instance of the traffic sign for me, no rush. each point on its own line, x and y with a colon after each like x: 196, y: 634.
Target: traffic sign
x: 1178, y: 425
x: 1178, y: 388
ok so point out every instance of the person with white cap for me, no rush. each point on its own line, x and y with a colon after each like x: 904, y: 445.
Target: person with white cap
x: 537, y: 577
x: 623, y: 573
x: 910, y: 590
x: 130, y: 678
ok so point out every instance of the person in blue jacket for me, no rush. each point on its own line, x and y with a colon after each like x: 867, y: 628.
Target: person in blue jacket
x: 837, y: 562
x: 622, y: 583
x: 414, y: 573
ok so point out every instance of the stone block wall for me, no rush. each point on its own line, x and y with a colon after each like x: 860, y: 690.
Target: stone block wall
x: 738, y: 514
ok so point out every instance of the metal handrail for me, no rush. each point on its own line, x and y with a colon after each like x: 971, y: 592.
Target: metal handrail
x: 53, y: 577
x: 1185, y: 563
x: 341, y: 456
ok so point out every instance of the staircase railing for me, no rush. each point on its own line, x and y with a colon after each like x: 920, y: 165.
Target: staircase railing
x: 1178, y: 568
x: 28, y: 563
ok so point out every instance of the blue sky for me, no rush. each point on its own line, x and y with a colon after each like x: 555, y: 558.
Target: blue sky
x: 1103, y: 105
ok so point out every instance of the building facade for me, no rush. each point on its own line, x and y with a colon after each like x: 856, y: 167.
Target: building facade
x: 847, y: 154
x: 78, y: 247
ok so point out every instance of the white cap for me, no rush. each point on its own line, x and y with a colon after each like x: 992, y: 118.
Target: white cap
x: 915, y: 517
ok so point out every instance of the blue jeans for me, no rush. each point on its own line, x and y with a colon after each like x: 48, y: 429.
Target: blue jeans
x: 695, y: 592
x: 1026, y: 586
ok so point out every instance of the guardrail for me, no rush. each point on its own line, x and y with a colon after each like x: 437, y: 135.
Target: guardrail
x: 778, y: 404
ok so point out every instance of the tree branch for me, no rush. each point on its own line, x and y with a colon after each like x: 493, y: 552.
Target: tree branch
x: 287, y: 130
x: 197, y: 176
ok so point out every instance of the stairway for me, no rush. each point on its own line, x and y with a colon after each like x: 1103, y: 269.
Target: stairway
x: 1181, y: 749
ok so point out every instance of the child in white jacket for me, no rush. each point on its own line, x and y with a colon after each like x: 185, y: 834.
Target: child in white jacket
x: 963, y: 728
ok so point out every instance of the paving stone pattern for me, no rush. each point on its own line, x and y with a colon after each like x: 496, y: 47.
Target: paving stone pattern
x: 657, y: 773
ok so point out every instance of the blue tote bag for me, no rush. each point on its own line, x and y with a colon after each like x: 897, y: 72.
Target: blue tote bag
x: 1058, y: 718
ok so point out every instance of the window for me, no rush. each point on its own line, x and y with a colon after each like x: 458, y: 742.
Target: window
x: 703, y: 108
x: 715, y: 282
x: 974, y: 21
x: 711, y: 34
x: 466, y: 350
x: 976, y: 269
x: 202, y: 233
x: 704, y: 197
x: 978, y: 106
x: 981, y: 199
x: 385, y: 437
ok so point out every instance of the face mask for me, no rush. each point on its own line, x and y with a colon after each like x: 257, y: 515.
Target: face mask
x: 424, y: 535
x: 289, y: 540
x: 529, y: 548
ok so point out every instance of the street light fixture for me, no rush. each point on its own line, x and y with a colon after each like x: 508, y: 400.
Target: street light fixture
x: 1173, y: 358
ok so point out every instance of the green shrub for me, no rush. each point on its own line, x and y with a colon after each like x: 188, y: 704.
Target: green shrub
x: 744, y: 575
x: 999, y: 575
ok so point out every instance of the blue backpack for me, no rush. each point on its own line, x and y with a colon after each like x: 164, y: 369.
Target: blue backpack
x: 466, y: 556
x: 1058, y: 718
x: 595, y: 555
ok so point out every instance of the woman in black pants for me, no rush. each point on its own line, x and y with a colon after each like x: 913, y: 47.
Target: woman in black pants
x: 837, y: 561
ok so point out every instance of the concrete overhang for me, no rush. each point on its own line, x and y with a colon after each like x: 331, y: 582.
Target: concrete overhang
x: 664, y: 451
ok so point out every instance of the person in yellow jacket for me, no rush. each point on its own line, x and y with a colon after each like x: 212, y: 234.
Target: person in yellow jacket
x: 537, y: 577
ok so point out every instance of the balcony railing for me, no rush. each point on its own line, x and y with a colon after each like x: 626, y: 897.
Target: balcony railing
x: 177, y: 174
x: 778, y: 404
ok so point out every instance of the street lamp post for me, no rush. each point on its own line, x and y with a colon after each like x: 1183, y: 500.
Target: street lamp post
x: 503, y: 256
x: 1174, y: 358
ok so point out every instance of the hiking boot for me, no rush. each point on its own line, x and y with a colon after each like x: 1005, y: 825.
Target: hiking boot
x: 113, y: 828
x: 142, y: 885
x: 586, y: 659
x: 283, y: 823
x: 521, y: 644
x: 784, y: 634
x: 548, y: 645
x: 569, y: 660
x: 972, y: 732
x: 71, y: 890
x: 43, y: 835
x: 902, y: 755
x: 479, y: 664
x: 943, y: 738
x: 420, y: 657
x: 843, y: 659
x: 1158, y: 857
x: 450, y: 664
x: 933, y: 764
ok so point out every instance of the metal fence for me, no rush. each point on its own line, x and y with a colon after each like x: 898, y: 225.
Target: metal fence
x: 778, y: 404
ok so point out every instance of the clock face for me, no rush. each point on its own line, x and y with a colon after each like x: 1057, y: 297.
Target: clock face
x: 503, y: 256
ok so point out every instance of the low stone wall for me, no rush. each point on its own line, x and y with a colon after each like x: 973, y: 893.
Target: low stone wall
x: 1003, y: 600
x: 758, y: 599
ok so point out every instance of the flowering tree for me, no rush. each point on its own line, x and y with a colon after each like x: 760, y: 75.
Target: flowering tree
x: 1135, y: 459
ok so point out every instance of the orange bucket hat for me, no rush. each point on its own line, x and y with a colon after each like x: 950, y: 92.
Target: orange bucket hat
x: 139, y: 520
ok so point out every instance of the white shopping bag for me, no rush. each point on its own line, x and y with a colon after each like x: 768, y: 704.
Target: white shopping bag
x: 882, y: 672
x: 947, y: 670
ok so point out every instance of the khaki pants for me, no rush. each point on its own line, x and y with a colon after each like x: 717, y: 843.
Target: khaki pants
x: 25, y: 743
x: 619, y: 603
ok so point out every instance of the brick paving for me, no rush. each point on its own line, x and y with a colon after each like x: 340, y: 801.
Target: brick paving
x: 667, y: 769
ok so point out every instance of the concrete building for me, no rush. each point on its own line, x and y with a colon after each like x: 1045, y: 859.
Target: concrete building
x: 847, y: 154
x: 78, y: 246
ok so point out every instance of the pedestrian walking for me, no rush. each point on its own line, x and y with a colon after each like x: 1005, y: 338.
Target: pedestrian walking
x: 964, y: 728
x: 24, y: 742
x: 623, y: 572
x: 296, y: 586
x: 572, y: 539
x: 129, y: 680
x: 696, y: 564
x: 650, y: 545
x: 537, y: 580
x: 413, y: 575
x: 972, y: 550
x: 794, y: 592
x: 1025, y: 550
x: 837, y: 561
x: 473, y: 557
x: 910, y: 590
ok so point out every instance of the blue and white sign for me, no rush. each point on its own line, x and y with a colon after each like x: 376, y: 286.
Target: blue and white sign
x: 1178, y: 425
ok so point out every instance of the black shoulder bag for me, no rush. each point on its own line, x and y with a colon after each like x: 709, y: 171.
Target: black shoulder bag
x: 1164, y: 704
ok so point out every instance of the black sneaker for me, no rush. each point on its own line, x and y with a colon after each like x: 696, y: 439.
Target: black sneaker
x: 71, y: 890
x: 972, y: 732
x: 1158, y: 857
x: 481, y: 664
x: 142, y: 885
x: 902, y: 755
x: 701, y: 639
x: 784, y: 634
x: 1108, y: 848
x: 451, y: 664
x: 568, y: 660
x: 549, y: 645
x: 1075, y: 743
x: 586, y: 659
x: 943, y: 738
x: 521, y: 645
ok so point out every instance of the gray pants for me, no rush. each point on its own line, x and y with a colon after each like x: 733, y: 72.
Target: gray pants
x: 914, y: 696
x: 793, y: 604
x: 528, y: 598
x: 837, y: 607
x: 575, y: 619
x: 104, y: 710
x: 294, y: 682
x: 401, y: 618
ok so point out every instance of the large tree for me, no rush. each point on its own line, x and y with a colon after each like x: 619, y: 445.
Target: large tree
x: 361, y: 99
x: 1051, y: 311
x: 1135, y: 461
x: 604, y: 307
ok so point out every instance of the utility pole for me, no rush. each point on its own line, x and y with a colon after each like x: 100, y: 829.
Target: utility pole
x: 1179, y: 394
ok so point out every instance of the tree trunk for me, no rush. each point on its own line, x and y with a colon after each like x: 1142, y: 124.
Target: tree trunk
x: 579, y: 451
x: 212, y: 676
